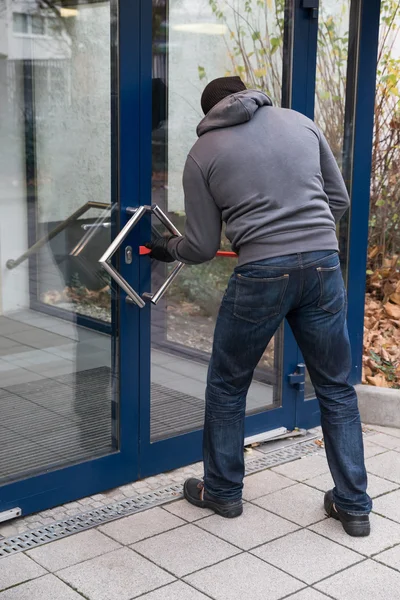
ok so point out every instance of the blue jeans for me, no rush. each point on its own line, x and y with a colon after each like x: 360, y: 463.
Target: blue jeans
x: 308, y: 290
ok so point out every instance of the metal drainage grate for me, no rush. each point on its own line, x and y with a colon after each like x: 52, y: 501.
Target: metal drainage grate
x: 283, y: 455
x: 99, y: 516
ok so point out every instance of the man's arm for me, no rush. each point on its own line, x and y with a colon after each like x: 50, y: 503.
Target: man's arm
x: 334, y: 185
x: 203, y: 220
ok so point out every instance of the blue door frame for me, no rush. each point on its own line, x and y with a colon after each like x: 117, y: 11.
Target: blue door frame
x: 137, y: 457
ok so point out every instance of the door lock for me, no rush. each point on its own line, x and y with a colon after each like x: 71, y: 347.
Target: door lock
x: 128, y: 255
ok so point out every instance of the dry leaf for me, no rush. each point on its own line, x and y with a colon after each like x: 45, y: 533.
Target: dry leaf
x: 373, y: 252
x: 392, y: 310
x: 395, y: 297
x: 378, y: 380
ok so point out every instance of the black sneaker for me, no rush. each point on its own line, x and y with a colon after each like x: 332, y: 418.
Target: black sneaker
x: 194, y: 492
x: 354, y: 525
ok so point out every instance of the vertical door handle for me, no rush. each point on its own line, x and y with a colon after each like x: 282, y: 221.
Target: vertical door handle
x: 162, y: 217
x: 105, y: 260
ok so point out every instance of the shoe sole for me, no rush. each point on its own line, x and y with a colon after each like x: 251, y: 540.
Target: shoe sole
x: 228, y: 512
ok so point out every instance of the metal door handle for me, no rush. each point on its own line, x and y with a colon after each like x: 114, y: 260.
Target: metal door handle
x: 12, y: 263
x: 130, y: 292
x: 132, y: 296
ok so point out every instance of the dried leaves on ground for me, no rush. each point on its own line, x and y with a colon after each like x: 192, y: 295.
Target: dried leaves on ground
x: 381, y: 361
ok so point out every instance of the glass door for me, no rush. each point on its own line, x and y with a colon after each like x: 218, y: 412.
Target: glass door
x: 66, y: 431
x: 185, y: 45
x: 337, y: 58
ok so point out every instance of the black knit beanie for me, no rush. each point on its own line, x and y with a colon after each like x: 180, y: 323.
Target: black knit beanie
x: 218, y: 89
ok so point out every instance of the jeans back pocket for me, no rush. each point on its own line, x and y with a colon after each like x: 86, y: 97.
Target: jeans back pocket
x: 257, y: 298
x: 332, y: 291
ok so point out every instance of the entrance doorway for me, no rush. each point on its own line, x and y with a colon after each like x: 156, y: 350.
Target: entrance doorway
x: 102, y: 363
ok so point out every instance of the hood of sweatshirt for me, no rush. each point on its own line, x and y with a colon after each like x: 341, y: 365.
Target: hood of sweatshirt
x: 233, y: 110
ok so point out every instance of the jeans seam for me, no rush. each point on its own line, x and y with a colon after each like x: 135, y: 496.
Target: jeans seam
x: 301, y: 287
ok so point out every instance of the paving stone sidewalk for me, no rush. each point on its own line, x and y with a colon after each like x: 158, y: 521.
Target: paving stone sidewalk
x: 283, y: 546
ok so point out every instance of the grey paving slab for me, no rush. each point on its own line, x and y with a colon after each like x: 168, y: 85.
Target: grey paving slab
x: 390, y: 557
x: 14, y: 350
x: 299, y: 503
x: 385, y: 465
x: 255, y: 527
x: 52, y: 367
x: 308, y: 594
x: 386, y: 441
x: 119, y: 575
x: 263, y: 483
x: 44, y: 588
x: 6, y: 367
x: 73, y: 550
x: 18, y: 376
x: 67, y: 351
x: 372, y: 449
x: 175, y: 591
x: 36, y: 357
x: 37, y: 338
x: 307, y: 556
x: 376, y: 485
x: 388, y: 430
x: 141, y: 526
x: 16, y: 569
x: 368, y: 579
x: 7, y: 342
x: 388, y: 505
x: 185, y: 550
x: 303, y: 468
x: 190, y: 387
x: 178, y: 370
x: 161, y: 358
x: 384, y: 534
x: 244, y: 576
x: 10, y: 326
x: 186, y: 511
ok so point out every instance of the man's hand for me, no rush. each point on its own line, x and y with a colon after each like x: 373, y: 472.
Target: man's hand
x: 159, y: 249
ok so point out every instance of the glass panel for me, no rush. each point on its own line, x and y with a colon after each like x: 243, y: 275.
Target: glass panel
x: 58, y: 373
x: 192, y: 44
x: 37, y: 24
x: 20, y: 23
x: 334, y: 96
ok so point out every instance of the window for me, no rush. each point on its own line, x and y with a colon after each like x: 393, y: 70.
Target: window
x: 38, y: 25
x: 20, y: 23
x: 29, y: 24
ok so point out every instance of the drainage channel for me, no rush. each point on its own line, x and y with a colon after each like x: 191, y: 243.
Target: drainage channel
x: 99, y: 516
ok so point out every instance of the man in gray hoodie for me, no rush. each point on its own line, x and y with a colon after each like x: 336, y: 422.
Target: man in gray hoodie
x: 270, y: 176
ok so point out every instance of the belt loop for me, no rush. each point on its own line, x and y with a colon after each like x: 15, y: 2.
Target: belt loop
x: 300, y: 258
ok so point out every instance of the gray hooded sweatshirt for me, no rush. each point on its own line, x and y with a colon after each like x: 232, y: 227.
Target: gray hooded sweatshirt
x: 268, y: 174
